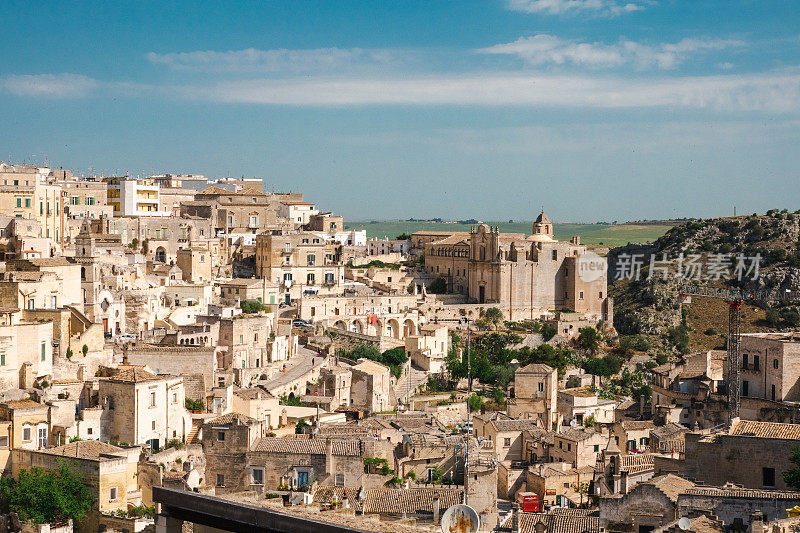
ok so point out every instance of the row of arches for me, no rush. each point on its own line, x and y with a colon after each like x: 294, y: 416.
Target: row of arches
x: 393, y: 327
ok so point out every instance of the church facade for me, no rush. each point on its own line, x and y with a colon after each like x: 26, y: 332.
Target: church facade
x: 524, y: 276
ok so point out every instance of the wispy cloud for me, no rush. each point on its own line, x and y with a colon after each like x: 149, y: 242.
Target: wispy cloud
x: 544, y: 49
x: 48, y: 85
x: 774, y: 92
x: 561, y: 7
x: 279, y: 60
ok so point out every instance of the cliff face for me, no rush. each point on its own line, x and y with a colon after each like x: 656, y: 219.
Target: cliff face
x: 755, y: 253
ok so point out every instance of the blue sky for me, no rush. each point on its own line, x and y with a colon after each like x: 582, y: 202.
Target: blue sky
x: 596, y: 109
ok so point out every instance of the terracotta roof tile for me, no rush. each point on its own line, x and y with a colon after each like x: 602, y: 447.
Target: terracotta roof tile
x: 559, y: 523
x: 742, y: 493
x: 396, y: 501
x: 767, y: 430
x: 306, y: 446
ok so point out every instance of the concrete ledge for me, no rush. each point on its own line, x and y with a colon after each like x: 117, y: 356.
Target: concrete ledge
x: 233, y: 516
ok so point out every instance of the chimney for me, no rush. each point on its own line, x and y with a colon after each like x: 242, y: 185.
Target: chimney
x: 436, y: 511
x: 329, y: 456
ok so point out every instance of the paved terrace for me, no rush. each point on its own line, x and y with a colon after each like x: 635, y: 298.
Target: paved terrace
x: 259, y: 516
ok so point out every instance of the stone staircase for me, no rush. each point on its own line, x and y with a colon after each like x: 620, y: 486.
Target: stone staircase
x: 408, y: 384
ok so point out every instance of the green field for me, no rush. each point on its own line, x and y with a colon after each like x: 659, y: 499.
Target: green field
x: 599, y: 234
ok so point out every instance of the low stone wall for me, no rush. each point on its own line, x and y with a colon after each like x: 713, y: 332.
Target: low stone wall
x: 347, y: 340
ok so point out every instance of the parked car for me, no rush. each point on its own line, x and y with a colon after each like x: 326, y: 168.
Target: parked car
x: 126, y: 337
x: 300, y: 323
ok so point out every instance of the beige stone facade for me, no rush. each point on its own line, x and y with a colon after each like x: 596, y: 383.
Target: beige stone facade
x: 302, y: 263
x: 525, y: 276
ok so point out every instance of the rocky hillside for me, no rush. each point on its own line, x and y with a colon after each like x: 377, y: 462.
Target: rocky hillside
x: 719, y: 253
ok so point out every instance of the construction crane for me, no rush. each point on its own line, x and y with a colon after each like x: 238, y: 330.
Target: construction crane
x: 734, y: 298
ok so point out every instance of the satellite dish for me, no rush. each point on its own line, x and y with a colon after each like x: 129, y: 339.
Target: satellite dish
x: 684, y: 523
x: 362, y: 495
x: 573, y: 423
x: 460, y: 518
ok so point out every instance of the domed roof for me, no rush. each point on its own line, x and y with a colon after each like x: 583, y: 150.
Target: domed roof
x: 542, y: 218
x: 539, y: 237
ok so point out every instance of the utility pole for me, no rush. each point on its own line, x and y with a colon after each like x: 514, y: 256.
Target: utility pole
x: 469, y: 420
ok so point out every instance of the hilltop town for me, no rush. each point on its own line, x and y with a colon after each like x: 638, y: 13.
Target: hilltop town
x: 198, y: 351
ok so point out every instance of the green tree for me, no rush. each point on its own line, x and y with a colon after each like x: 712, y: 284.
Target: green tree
x: 252, y: 306
x: 493, y: 316
x: 403, y: 237
x: 475, y: 403
x: 438, y: 286
x: 85, y: 350
x: 145, y: 246
x: 773, y: 317
x: 42, y: 496
x: 301, y: 425
x: 792, y: 477
x: 589, y: 340
x: 548, y: 332
x: 194, y: 405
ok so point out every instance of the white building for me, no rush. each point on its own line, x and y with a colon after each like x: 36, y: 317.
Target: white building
x: 131, y: 197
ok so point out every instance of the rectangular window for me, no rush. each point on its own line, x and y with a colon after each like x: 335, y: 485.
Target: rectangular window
x: 258, y: 476
x: 152, y: 399
x: 26, y: 434
x: 580, y: 297
x: 745, y: 388
x: 2, y: 359
x: 755, y: 362
x: 220, y: 436
x: 507, y: 442
x: 541, y: 387
x: 19, y: 202
x: 174, y: 397
x: 311, y: 259
x: 768, y: 477
x: 90, y: 200
x: 340, y: 480
x: 744, y: 361
x: 112, y: 494
x: 555, y: 255
x: 220, y: 480
x: 596, y: 448
x: 4, y: 441
x: 27, y: 202
x: 44, y: 351
x: 153, y: 425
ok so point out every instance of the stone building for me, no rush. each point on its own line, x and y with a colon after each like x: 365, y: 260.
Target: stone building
x: 751, y: 454
x: 26, y: 350
x: 770, y: 366
x: 559, y: 484
x: 428, y: 350
x: 108, y: 471
x: 197, y: 365
x: 24, y: 425
x: 732, y: 503
x: 525, y: 276
x: 302, y: 263
x: 535, y: 394
x: 506, y: 434
x: 141, y: 407
x: 370, y: 386
x: 578, y: 446
x: 647, y: 506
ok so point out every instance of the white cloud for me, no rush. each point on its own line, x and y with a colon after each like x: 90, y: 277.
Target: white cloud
x: 51, y: 85
x: 774, y: 92
x: 545, y: 49
x: 279, y: 60
x: 561, y: 7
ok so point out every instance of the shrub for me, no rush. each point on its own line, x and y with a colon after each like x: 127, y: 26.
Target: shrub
x: 438, y: 286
